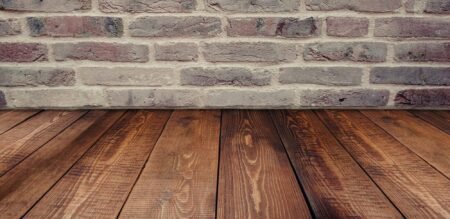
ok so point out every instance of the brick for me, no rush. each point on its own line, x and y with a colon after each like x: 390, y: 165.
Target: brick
x: 230, y: 98
x: 225, y: 76
x: 23, y: 52
x: 74, y: 26
x: 422, y: 52
x: 176, y: 52
x: 45, y: 6
x: 344, y: 98
x: 170, y: 26
x: 253, y: 5
x: 12, y: 77
x: 140, y: 6
x: 124, y: 76
x: 341, y: 76
x: 410, y: 75
x: 156, y: 98
x: 94, y: 51
x: 428, y: 6
x: 9, y: 27
x: 423, y: 98
x: 274, y: 26
x: 2, y: 99
x: 405, y: 27
x: 249, y: 52
x: 341, y: 51
x: 358, y: 5
x: 347, y: 26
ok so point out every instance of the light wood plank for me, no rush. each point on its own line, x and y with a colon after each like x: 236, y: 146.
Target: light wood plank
x: 99, y: 183
x: 256, y: 179
x: 180, y: 178
x: 416, y: 188
x: 9, y: 119
x: 429, y: 142
x: 21, y: 141
x: 439, y: 119
x: 335, y: 184
x: 24, y: 185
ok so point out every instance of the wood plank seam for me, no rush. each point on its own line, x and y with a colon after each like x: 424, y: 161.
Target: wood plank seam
x: 218, y: 164
x: 37, y: 112
x: 428, y: 121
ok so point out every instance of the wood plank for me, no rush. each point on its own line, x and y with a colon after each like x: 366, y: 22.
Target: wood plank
x: 439, y: 119
x: 256, y: 179
x: 429, y: 142
x: 21, y: 141
x: 9, y: 119
x: 417, y: 189
x: 180, y: 178
x: 24, y: 185
x: 99, y: 183
x: 334, y: 183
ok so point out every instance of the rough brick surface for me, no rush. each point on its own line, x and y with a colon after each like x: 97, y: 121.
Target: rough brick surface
x: 56, y: 97
x: 9, y: 27
x: 101, y: 52
x: 138, y: 6
x: 412, y: 27
x: 423, y: 52
x: 71, y: 26
x: 52, y: 77
x: 340, y: 76
x: 354, y: 5
x: 126, y: 76
x: 45, y: 6
x: 176, y: 52
x: 423, y: 98
x: 249, y: 98
x: 23, y: 52
x: 347, y: 26
x: 2, y: 99
x: 253, y: 5
x: 428, y: 6
x: 410, y: 75
x: 225, y: 76
x: 270, y: 27
x: 357, y: 52
x: 153, y: 98
x: 175, y: 27
x: 344, y: 98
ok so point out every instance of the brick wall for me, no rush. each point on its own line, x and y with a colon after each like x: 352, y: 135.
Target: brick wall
x: 225, y: 53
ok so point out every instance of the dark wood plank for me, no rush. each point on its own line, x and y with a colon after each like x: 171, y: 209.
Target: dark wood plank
x: 24, y: 185
x: 180, y: 178
x: 334, y: 183
x: 24, y: 139
x: 256, y: 179
x: 429, y: 142
x: 416, y: 188
x: 99, y: 183
x: 9, y: 119
x: 439, y: 119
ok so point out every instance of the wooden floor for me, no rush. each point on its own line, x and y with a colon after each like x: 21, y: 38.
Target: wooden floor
x: 225, y: 164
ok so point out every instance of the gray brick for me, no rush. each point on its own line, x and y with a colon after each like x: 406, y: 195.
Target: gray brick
x: 9, y: 27
x: 225, y: 76
x: 341, y: 51
x: 222, y: 98
x: 428, y: 6
x: 410, y: 75
x: 124, y: 76
x: 423, y: 98
x: 98, y: 51
x: 2, y: 99
x: 406, y: 27
x: 45, y: 6
x: 422, y: 52
x: 342, y: 76
x: 176, y: 52
x: 13, y: 77
x: 354, y: 5
x: 253, y: 5
x: 344, y: 98
x: 139, y: 6
x: 155, y: 98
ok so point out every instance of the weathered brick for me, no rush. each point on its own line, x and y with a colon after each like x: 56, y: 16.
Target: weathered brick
x: 423, y: 98
x: 176, y: 52
x: 412, y: 27
x: 74, y: 26
x: 344, y: 98
x: 2, y: 99
x: 228, y: 98
x: 124, y: 76
x: 45, y: 6
x: 9, y: 27
x: 274, y: 26
x: 342, y: 76
x: 94, y: 51
x: 354, y: 5
x: 170, y: 26
x: 253, y: 5
x: 11, y: 77
x: 410, y: 75
x: 422, y: 52
x: 157, y: 98
x: 23, y: 52
x: 225, y: 76
x: 341, y: 51
x: 249, y: 52
x: 139, y: 6
x: 428, y: 6
x: 347, y: 26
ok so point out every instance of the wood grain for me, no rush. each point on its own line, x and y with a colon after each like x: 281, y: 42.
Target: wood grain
x: 99, y: 183
x: 417, y: 189
x: 9, y: 119
x: 24, y: 185
x: 24, y: 139
x: 335, y: 184
x: 439, y: 119
x: 180, y: 178
x: 429, y: 142
x: 256, y: 179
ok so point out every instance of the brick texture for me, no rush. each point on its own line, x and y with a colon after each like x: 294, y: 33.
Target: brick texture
x: 101, y: 52
x: 140, y: 6
x: 52, y: 77
x: 23, y: 52
x: 46, y: 6
x: 9, y: 27
x: 423, y: 98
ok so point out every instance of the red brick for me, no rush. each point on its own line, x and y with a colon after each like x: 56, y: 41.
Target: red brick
x: 113, y: 52
x: 347, y: 26
x: 412, y: 27
x: 23, y: 52
x: 45, y: 6
x: 422, y: 52
x: 354, y: 5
